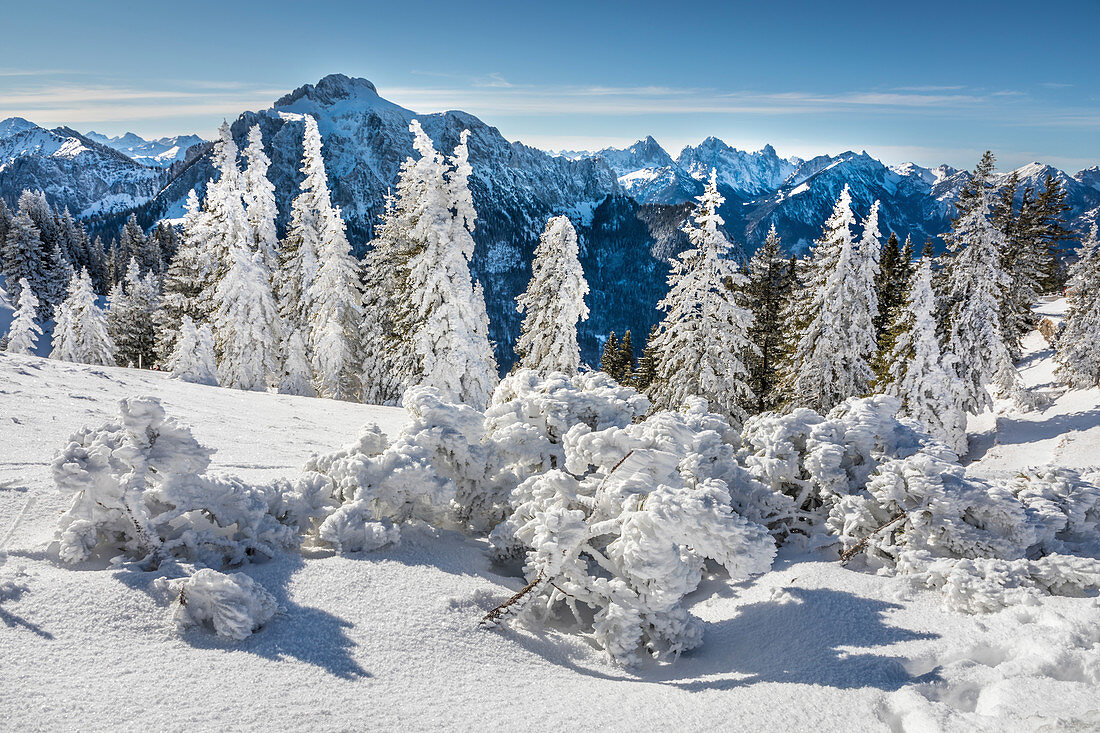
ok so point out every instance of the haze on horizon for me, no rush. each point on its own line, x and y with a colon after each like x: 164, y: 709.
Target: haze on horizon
x: 934, y: 84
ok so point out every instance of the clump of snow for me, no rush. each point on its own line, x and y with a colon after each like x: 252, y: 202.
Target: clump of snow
x: 233, y: 605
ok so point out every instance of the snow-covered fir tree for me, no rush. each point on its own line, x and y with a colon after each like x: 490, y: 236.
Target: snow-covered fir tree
x: 23, y: 259
x: 259, y: 199
x: 184, y: 282
x: 974, y: 286
x: 246, y: 324
x: 131, y: 307
x: 920, y: 375
x: 450, y: 334
x: 1022, y: 260
x: 833, y: 329
x: 192, y: 360
x: 296, y: 377
x: 80, y: 334
x: 221, y: 223
x: 768, y: 289
x: 1079, y: 341
x: 24, y: 330
x: 553, y: 303
x: 703, y: 339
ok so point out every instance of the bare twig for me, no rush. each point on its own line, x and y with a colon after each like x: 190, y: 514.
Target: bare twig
x: 490, y: 619
x: 855, y: 549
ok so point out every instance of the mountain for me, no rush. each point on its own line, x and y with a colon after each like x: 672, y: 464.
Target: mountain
x: 159, y: 153
x: 749, y: 174
x: 74, y: 171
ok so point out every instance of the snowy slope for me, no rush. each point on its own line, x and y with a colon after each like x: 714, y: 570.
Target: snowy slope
x: 389, y: 639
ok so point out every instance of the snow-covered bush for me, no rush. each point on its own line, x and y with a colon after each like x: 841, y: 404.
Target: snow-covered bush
x: 817, y: 460
x: 985, y: 546
x: 625, y: 530
x: 137, y: 488
x: 234, y: 605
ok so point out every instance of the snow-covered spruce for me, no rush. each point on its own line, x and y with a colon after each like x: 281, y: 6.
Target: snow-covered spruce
x: 193, y: 357
x: 247, y: 328
x: 131, y: 305
x: 258, y: 194
x: 233, y: 605
x: 1078, y: 355
x: 702, y: 341
x: 80, y: 334
x: 137, y: 489
x: 553, y: 303
x: 625, y: 532
x: 922, y: 376
x: 24, y: 330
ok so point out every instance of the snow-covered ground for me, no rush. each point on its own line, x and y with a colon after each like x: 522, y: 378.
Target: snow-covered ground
x: 390, y: 639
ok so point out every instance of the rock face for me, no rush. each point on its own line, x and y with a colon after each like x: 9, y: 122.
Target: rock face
x: 73, y: 171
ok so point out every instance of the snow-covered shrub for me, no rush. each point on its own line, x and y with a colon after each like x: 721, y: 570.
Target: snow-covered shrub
x: 984, y: 546
x: 529, y: 414
x: 817, y: 460
x: 625, y: 530
x: 234, y: 605
x: 137, y: 487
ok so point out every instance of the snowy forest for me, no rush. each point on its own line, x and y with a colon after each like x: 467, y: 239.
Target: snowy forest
x: 816, y: 404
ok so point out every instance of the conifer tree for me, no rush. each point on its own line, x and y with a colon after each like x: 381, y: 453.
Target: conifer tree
x: 24, y: 260
x: 24, y: 330
x: 131, y: 308
x: 334, y: 324
x: 259, y: 199
x: 1079, y: 341
x: 246, y: 325
x: 974, y: 285
x: 1052, y: 233
x: 610, y: 357
x: 833, y: 327
x: 451, y: 331
x: 221, y: 223
x: 297, y: 372
x: 80, y: 334
x: 192, y: 360
x: 703, y: 339
x: 1021, y: 260
x: 298, y: 264
x: 919, y: 374
x: 553, y: 304
x: 768, y: 289
x: 626, y: 357
x: 184, y: 282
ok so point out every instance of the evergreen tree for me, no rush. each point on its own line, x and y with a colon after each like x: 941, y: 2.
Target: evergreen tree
x: 646, y: 371
x: 183, y: 283
x: 259, y: 199
x: 1021, y: 260
x: 974, y: 286
x: 768, y: 289
x: 131, y: 308
x: 832, y: 325
x: 891, y: 285
x: 610, y: 357
x: 221, y: 224
x: 297, y: 373
x: 246, y: 325
x: 554, y: 303
x: 703, y: 339
x: 298, y: 263
x: 192, y: 360
x: 1079, y: 341
x: 1052, y: 233
x: 866, y: 310
x: 23, y: 263
x: 626, y: 357
x: 451, y: 334
x: 919, y: 374
x: 24, y: 330
x: 80, y: 334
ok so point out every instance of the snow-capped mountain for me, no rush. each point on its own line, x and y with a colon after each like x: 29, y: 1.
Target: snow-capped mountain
x: 159, y: 153
x: 749, y: 174
x: 73, y: 171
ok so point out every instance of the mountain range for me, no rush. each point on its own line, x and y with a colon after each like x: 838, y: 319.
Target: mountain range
x: 159, y: 153
x: 628, y: 204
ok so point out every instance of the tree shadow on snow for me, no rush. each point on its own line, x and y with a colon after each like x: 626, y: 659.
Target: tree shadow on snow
x: 307, y: 634
x: 809, y: 636
x: 1011, y: 431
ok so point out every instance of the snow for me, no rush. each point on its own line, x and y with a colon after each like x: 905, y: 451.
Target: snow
x: 390, y: 638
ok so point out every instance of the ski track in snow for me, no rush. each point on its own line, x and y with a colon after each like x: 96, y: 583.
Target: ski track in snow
x: 389, y: 639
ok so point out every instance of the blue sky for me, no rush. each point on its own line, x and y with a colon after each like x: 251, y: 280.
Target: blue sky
x: 930, y: 81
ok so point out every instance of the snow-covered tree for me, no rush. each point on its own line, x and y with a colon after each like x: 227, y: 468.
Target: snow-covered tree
x: 553, y: 302
x: 221, y: 223
x: 184, y: 281
x: 974, y: 289
x: 921, y: 376
x: 23, y: 259
x: 259, y: 199
x: 337, y: 297
x: 193, y: 357
x: 703, y: 339
x: 1079, y: 341
x: 247, y: 328
x: 24, y: 330
x: 451, y: 330
x: 297, y: 374
x: 132, y: 305
x: 866, y: 310
x: 80, y: 334
x: 829, y: 361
